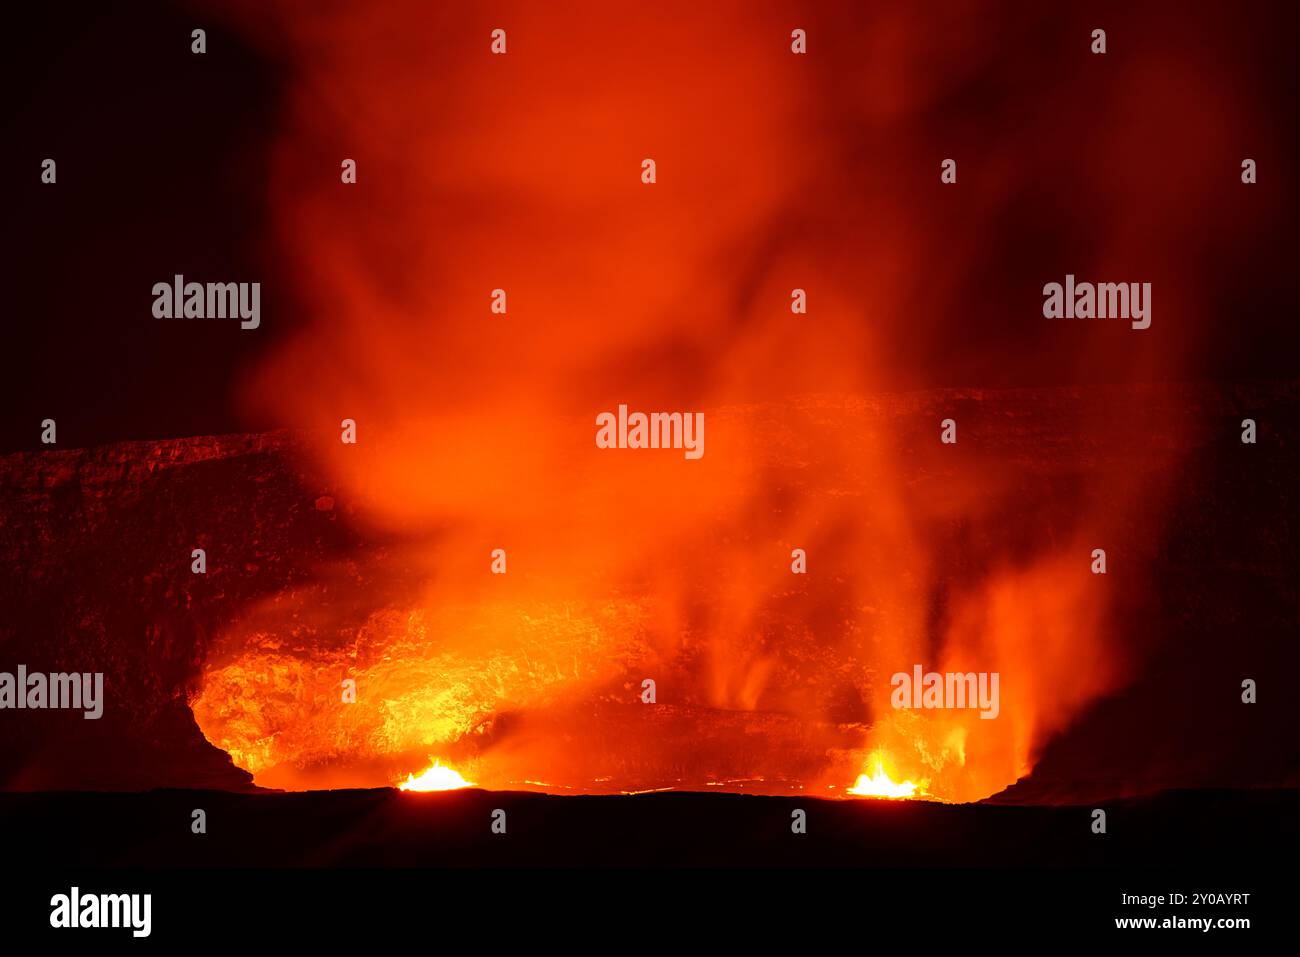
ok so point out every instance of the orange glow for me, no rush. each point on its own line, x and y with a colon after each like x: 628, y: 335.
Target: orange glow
x: 436, y: 778
x: 880, y: 784
x: 477, y: 430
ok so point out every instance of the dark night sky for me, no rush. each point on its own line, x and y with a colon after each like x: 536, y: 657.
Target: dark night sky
x: 161, y: 157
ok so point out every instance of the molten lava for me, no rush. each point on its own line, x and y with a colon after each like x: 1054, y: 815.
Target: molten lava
x: 437, y: 778
x: 880, y: 784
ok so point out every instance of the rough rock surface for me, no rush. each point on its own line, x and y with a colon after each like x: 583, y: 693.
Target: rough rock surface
x: 97, y: 546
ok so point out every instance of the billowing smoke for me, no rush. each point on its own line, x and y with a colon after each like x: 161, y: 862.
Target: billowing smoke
x: 774, y: 172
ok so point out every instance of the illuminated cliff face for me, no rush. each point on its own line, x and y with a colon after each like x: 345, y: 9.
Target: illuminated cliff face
x: 476, y: 429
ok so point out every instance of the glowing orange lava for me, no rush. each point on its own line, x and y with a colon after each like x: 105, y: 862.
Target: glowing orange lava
x: 436, y: 778
x: 880, y: 784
